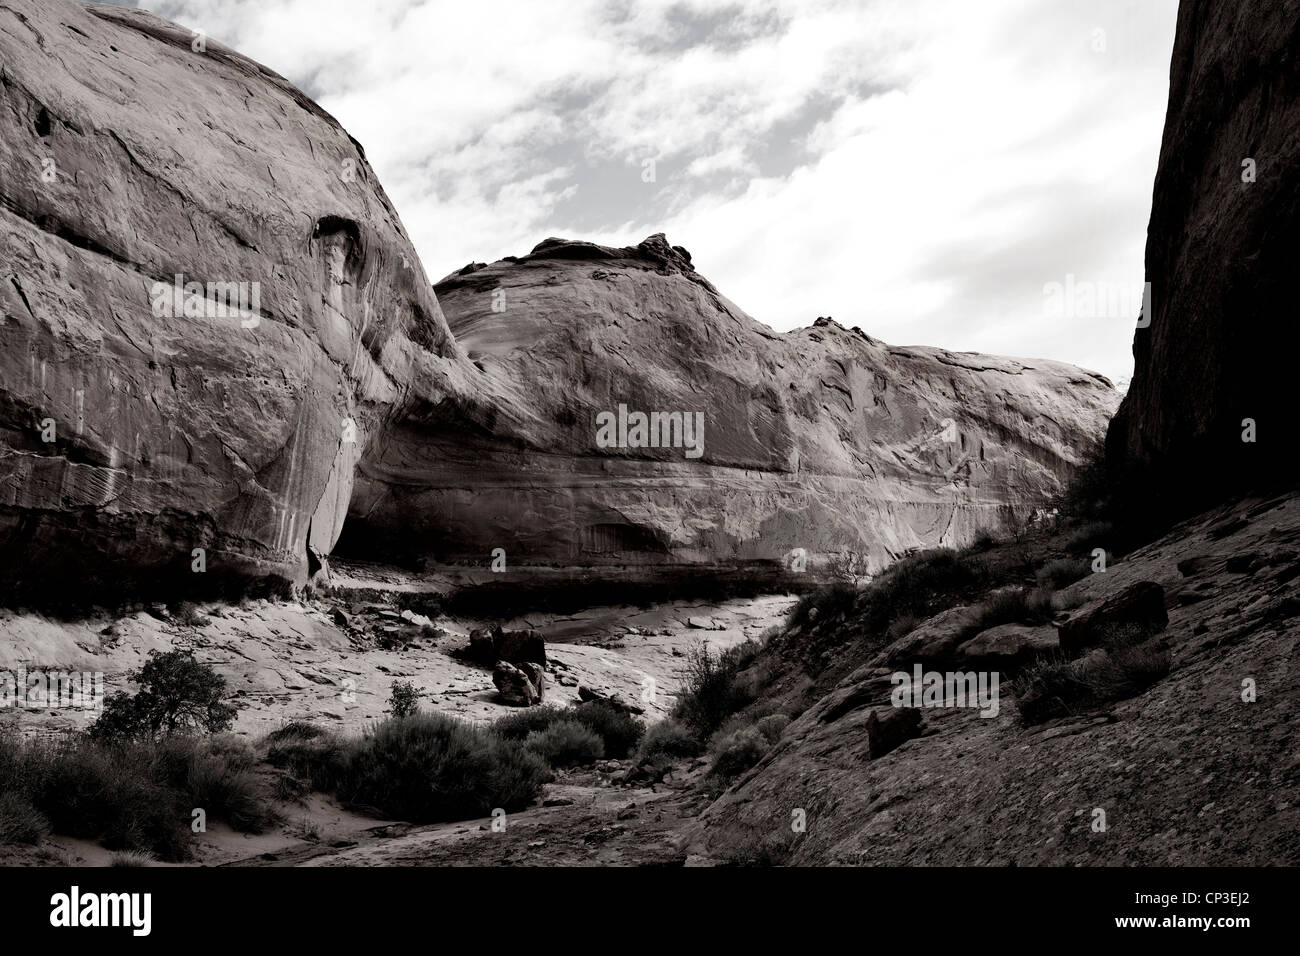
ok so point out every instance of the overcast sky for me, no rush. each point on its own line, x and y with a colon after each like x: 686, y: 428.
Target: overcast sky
x: 919, y: 168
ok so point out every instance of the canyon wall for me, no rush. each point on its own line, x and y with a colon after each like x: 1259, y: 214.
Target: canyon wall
x: 1221, y: 257
x: 823, y: 444
x: 149, y: 431
x: 137, y: 425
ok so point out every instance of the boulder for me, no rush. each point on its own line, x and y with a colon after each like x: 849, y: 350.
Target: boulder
x: 519, y: 647
x: 1140, y: 606
x: 516, y: 686
x: 933, y: 641
x: 482, y: 647
x: 587, y: 695
x: 1007, y: 647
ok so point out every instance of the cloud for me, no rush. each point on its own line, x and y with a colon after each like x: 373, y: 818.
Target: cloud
x: 919, y: 168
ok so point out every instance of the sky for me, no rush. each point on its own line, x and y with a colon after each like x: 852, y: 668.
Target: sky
x: 930, y: 171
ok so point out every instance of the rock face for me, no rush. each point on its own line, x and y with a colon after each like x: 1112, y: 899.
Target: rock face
x: 822, y: 445
x: 300, y: 369
x: 1221, y: 255
x: 137, y: 425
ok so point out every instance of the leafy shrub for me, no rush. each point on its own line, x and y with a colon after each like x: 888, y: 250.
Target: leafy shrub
x: 403, y: 699
x: 428, y: 768
x: 177, y: 695
x: 566, y: 743
x: 982, y: 540
x: 520, y: 723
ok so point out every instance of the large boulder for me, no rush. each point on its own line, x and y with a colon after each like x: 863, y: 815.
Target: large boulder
x: 1007, y: 647
x: 1221, y: 256
x: 138, y: 423
x: 933, y: 641
x: 521, y: 686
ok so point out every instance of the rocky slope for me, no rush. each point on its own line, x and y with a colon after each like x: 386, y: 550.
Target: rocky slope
x: 823, y: 440
x: 1191, y: 772
x: 1221, y: 252
x: 133, y: 431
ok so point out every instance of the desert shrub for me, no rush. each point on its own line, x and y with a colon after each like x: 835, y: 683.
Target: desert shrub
x: 428, y: 768
x: 127, y: 796
x: 713, y: 687
x: 619, y: 731
x: 1058, y: 688
x: 1062, y: 572
x: 901, y: 627
x: 1093, y: 534
x: 187, y: 613
x: 665, y: 743
x: 738, y: 753
x: 566, y: 743
x: 835, y: 602
x: 314, y: 758
x: 130, y: 858
x: 982, y: 540
x: 520, y: 723
x: 772, y: 726
x: 177, y: 695
x: 20, y: 822
x: 403, y: 699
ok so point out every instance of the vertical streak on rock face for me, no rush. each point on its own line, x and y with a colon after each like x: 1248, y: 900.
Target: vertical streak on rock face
x: 129, y: 159
x: 1222, y: 254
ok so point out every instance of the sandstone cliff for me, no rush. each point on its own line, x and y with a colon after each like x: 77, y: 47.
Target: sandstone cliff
x: 1221, y: 256
x: 150, y: 176
x: 823, y: 440
x: 131, y: 431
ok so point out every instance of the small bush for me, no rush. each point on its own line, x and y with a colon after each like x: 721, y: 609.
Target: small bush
x: 177, y: 695
x: 982, y: 540
x: 1062, y: 572
x: 188, y: 614
x: 403, y: 699
x: 665, y: 743
x: 833, y: 603
x: 130, y: 858
x: 296, y: 731
x: 566, y: 743
x: 738, y: 753
x: 772, y: 726
x: 713, y: 688
x: 620, y: 732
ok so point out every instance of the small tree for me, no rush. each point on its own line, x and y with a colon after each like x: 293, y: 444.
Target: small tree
x: 177, y: 695
x: 404, y: 699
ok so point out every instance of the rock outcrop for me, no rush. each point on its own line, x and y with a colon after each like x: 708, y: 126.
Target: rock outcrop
x: 821, y: 447
x: 138, y: 424
x: 1221, y: 253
